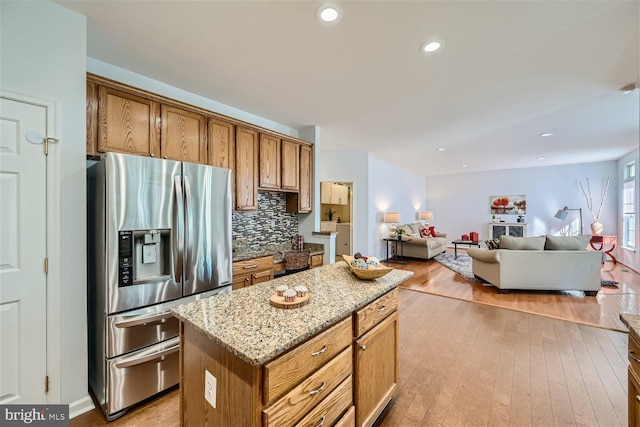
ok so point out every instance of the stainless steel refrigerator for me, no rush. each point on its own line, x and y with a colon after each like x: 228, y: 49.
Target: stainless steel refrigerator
x: 159, y: 234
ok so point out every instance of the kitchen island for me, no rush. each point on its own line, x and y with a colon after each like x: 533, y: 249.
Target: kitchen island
x: 633, y: 375
x: 331, y: 360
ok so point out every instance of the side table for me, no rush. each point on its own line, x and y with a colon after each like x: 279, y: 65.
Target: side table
x: 602, y: 241
x: 463, y: 242
x: 396, y: 259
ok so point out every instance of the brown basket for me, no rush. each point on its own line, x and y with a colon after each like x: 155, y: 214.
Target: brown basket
x: 296, y: 260
x: 369, y: 274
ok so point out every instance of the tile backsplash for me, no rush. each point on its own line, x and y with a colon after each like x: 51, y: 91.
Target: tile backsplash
x: 270, y: 225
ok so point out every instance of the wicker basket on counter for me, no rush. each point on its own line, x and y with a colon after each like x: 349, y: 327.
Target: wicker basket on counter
x: 296, y: 260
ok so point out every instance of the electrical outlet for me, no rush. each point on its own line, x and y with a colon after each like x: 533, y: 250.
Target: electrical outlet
x: 288, y: 222
x: 210, y: 388
x: 273, y: 223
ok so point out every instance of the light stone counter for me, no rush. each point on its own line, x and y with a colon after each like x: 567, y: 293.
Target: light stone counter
x: 246, y: 324
x: 633, y: 323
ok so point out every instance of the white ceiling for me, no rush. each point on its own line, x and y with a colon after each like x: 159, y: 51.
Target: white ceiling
x: 507, y: 72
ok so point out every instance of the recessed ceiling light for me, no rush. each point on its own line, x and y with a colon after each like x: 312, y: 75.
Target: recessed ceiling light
x: 546, y: 134
x: 431, y: 46
x: 328, y: 13
x: 440, y: 149
x: 540, y: 158
x: 464, y: 166
x: 628, y: 88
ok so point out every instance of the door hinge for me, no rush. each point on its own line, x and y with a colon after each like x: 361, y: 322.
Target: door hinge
x: 48, y: 141
x: 46, y: 265
x: 46, y: 384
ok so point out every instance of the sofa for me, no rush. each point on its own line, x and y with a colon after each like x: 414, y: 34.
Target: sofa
x: 540, y: 263
x: 422, y: 247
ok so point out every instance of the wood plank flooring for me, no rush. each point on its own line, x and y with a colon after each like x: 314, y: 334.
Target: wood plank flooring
x: 468, y: 364
x: 603, y: 310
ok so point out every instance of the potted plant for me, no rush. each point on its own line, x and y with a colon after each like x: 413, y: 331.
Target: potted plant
x: 399, y: 233
x: 330, y: 213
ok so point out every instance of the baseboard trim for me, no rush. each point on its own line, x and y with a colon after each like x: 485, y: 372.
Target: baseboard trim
x: 80, y: 406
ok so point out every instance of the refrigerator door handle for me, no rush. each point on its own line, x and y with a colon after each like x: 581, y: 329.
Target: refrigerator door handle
x: 159, y: 356
x: 188, y: 206
x: 130, y: 321
x: 178, y: 225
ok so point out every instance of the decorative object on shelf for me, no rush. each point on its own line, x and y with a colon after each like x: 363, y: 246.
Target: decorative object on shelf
x: 399, y: 233
x: 474, y: 236
x: 493, y: 218
x: 464, y: 237
x: 562, y: 214
x: 509, y: 204
x: 330, y: 213
x: 596, y: 226
x: 426, y: 217
x: 393, y: 218
x: 520, y: 218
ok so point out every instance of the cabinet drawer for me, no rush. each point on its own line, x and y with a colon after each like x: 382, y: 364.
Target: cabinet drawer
x: 251, y: 265
x: 331, y: 408
x: 348, y: 419
x: 285, y: 372
x: 293, y: 405
x: 316, y: 260
x: 368, y: 316
x: 634, y: 356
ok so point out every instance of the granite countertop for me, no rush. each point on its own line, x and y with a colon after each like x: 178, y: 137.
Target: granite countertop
x: 246, y: 324
x: 633, y: 323
x: 242, y: 254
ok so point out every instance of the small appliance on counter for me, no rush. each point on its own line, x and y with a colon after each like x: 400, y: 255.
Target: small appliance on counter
x: 159, y: 235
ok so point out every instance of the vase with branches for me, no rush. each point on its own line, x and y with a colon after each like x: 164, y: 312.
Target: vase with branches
x: 596, y: 226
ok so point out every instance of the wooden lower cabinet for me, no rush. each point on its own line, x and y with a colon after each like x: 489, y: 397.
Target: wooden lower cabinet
x: 331, y: 379
x: 251, y: 272
x: 316, y: 260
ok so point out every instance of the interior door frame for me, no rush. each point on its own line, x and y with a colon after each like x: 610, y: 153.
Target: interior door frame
x: 52, y: 237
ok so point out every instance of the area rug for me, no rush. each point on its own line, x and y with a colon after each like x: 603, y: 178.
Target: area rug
x: 461, y: 265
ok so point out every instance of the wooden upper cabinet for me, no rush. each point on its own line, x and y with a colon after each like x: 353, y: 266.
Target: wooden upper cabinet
x: 183, y: 135
x: 290, y: 165
x: 92, y: 118
x: 222, y: 141
x: 305, y: 196
x: 246, y: 169
x: 127, y: 123
x: 269, y: 162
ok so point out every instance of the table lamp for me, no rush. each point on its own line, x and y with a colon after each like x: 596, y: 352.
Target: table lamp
x: 393, y: 218
x: 426, y: 217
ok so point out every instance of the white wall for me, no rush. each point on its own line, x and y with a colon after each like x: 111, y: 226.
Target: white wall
x: 350, y: 166
x: 391, y: 189
x: 460, y: 203
x: 44, y: 56
x: 629, y: 257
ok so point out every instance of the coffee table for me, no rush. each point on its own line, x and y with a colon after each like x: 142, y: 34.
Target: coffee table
x: 463, y: 242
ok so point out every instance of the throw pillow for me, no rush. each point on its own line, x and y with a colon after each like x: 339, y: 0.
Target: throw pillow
x: 522, y: 243
x: 425, y: 232
x: 567, y: 243
x: 492, y: 244
x: 432, y: 229
x: 416, y: 226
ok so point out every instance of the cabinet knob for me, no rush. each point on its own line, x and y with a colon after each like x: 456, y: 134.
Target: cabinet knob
x: 631, y: 355
x: 383, y: 308
x: 319, y: 352
x: 165, y: 157
x: 321, y: 423
x: 152, y: 155
x: 638, y: 397
x: 319, y: 389
x: 363, y: 347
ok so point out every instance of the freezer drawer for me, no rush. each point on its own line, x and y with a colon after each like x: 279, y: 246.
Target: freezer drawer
x: 142, y: 374
x: 140, y: 328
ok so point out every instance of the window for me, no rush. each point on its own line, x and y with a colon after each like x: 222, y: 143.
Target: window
x: 629, y: 206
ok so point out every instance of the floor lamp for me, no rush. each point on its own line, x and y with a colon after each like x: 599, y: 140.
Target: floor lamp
x: 562, y: 214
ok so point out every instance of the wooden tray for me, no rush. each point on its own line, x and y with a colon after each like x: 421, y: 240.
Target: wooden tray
x: 368, y: 274
x: 279, y: 302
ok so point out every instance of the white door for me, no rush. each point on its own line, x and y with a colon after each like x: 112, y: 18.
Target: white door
x: 23, y: 281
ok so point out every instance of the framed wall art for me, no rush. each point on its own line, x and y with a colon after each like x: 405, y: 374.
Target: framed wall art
x: 515, y: 205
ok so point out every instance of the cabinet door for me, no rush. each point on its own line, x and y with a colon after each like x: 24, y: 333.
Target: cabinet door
x: 339, y: 194
x: 246, y: 169
x: 92, y: 118
x: 305, y: 197
x: 241, y: 281
x: 325, y: 192
x: 290, y: 165
x: 376, y: 370
x: 269, y: 162
x: 127, y: 123
x: 634, y: 400
x: 221, y: 144
x: 184, y: 135
x: 261, y: 276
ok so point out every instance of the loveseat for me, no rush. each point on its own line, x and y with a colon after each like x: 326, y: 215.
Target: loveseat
x: 540, y: 263
x: 422, y: 247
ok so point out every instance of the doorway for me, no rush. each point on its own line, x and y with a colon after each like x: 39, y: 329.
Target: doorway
x: 336, y: 214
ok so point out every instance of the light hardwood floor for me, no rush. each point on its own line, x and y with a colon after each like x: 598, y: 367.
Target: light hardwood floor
x: 463, y: 363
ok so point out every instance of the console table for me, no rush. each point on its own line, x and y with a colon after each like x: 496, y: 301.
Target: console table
x: 602, y: 241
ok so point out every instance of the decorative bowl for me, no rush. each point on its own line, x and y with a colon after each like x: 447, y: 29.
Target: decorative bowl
x: 369, y: 274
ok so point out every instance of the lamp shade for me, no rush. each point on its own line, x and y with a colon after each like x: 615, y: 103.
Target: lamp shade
x: 392, y: 217
x: 562, y: 213
x: 426, y: 216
